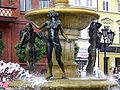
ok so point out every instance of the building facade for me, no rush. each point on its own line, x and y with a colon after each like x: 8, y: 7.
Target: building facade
x: 109, y: 11
x: 12, y: 22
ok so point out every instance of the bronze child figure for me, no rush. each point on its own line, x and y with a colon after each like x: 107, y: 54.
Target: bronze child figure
x: 28, y: 38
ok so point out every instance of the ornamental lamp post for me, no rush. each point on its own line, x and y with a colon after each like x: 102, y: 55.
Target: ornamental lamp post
x: 111, y: 36
x: 118, y: 0
x: 108, y: 37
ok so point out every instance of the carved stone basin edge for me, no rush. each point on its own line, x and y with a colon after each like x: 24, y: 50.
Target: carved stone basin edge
x: 72, y: 18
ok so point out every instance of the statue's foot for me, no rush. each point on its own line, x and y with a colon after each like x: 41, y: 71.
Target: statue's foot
x: 50, y: 77
x: 64, y: 76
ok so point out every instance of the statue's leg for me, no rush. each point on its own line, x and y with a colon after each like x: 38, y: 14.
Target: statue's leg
x: 34, y: 57
x: 28, y: 60
x: 58, y: 54
x: 31, y: 60
x: 49, y: 56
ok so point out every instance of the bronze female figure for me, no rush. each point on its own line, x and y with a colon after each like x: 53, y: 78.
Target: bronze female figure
x: 54, y: 25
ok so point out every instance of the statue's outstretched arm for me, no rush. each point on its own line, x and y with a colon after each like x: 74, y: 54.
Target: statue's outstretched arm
x: 37, y: 35
x: 40, y: 27
x: 63, y: 34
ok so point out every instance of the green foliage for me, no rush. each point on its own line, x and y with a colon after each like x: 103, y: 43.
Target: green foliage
x: 40, y: 47
x: 76, y: 49
x: 1, y: 46
x: 20, y: 52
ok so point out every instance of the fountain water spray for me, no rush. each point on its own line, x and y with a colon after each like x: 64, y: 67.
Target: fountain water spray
x: 12, y: 71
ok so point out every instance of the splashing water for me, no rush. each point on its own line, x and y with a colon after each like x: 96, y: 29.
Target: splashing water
x: 12, y: 71
x: 98, y: 74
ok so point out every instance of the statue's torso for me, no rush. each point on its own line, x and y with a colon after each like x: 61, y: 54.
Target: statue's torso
x: 53, y: 29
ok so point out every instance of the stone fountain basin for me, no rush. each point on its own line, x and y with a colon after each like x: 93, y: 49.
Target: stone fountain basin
x: 71, y: 18
x: 69, y: 84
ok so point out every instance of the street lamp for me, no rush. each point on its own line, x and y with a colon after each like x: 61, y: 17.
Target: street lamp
x: 108, y: 37
x: 118, y: 0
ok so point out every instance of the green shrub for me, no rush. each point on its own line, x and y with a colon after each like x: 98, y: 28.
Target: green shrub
x: 76, y: 49
x: 40, y: 47
x: 1, y: 46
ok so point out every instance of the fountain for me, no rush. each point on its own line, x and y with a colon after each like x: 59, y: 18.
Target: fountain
x: 74, y: 19
x: 80, y: 19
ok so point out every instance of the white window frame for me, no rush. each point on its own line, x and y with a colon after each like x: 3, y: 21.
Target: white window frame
x: 75, y: 2
x: 89, y: 3
x: 119, y: 34
x: 44, y: 3
x: 25, y: 5
x: 118, y: 6
x: 105, y: 6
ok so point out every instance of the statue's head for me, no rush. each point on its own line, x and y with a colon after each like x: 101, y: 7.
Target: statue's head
x: 95, y: 25
x: 52, y: 13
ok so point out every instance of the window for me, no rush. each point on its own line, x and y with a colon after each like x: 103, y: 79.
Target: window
x: 105, y: 5
x: 119, y: 35
x: 118, y: 7
x: 77, y: 2
x: 25, y: 5
x: 117, y: 62
x: 0, y: 34
x: 89, y: 3
x: 44, y: 3
x: 0, y: 2
x: 21, y: 34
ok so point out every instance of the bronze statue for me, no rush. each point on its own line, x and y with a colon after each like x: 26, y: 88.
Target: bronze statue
x: 28, y: 38
x: 93, y: 30
x: 54, y: 25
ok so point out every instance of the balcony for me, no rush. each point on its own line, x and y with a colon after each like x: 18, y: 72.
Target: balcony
x: 8, y: 14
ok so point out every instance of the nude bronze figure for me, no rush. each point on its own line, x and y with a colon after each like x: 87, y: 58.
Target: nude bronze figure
x: 54, y: 25
x: 28, y: 38
x: 93, y: 30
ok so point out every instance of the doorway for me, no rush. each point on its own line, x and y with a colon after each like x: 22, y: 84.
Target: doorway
x: 117, y: 62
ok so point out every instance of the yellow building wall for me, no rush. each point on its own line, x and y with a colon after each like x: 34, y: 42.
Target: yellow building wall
x: 114, y: 26
x: 111, y: 60
x: 113, y: 6
x: 114, y: 16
